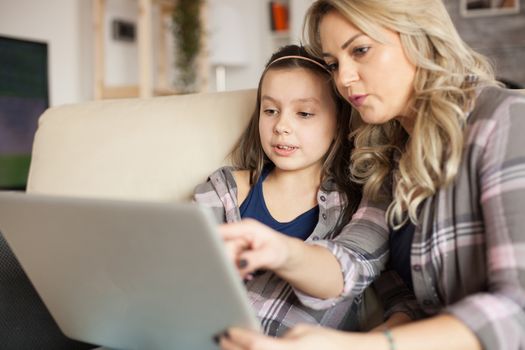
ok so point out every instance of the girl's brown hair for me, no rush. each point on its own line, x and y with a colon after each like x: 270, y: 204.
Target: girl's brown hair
x: 248, y: 153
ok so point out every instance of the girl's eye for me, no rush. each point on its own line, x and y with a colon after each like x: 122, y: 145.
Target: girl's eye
x: 305, y: 115
x: 270, y: 111
x: 332, y: 67
x: 360, y: 51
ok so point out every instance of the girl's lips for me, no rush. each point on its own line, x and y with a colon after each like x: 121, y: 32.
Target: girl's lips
x: 282, y: 150
x: 357, y: 100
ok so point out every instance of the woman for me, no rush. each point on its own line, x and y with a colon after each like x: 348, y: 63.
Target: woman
x: 445, y: 141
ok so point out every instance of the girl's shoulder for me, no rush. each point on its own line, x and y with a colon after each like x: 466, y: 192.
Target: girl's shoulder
x: 225, y: 180
x: 219, y: 181
x: 242, y: 179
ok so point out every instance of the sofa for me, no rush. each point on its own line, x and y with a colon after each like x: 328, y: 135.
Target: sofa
x: 136, y: 149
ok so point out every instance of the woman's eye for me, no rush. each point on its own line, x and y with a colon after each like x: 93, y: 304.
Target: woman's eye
x: 360, y: 51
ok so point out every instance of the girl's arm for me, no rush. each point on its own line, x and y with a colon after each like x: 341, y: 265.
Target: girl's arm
x: 322, y: 272
x: 309, y: 268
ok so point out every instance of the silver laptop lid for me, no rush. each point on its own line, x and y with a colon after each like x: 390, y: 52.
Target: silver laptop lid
x: 124, y: 274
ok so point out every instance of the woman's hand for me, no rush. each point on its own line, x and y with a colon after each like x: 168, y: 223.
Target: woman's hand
x: 301, y: 337
x: 253, y: 246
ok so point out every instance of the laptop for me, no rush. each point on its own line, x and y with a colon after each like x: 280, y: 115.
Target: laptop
x: 127, y: 274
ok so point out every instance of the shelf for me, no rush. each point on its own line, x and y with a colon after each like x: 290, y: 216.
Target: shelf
x: 147, y: 67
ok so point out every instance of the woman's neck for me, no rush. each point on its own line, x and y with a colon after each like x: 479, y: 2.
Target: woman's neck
x: 407, y: 123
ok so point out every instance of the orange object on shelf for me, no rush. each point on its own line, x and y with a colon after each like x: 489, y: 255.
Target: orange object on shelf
x: 279, y: 16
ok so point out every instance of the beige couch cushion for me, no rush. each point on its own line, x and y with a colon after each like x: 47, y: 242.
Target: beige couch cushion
x: 153, y: 149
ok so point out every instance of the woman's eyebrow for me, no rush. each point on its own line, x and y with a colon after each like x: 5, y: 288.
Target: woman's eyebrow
x: 345, y: 44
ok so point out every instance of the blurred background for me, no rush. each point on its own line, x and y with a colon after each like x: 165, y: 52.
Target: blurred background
x: 57, y: 52
x: 133, y: 43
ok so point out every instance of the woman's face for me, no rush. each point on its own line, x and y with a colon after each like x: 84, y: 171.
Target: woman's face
x: 377, y: 79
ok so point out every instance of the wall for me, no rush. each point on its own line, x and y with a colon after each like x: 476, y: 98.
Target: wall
x: 256, y: 40
x: 261, y: 42
x: 501, y: 38
x: 121, y: 56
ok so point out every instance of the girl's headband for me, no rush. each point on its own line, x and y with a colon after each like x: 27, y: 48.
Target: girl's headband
x: 301, y: 58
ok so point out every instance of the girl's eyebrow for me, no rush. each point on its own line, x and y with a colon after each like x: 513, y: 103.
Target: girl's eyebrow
x: 266, y: 97
x: 307, y: 99
x: 345, y: 44
x: 302, y: 100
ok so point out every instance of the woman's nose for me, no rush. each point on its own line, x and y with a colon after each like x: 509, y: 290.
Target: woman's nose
x: 347, y: 74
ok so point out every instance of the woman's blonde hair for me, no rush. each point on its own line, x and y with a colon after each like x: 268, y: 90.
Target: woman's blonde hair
x: 447, y: 72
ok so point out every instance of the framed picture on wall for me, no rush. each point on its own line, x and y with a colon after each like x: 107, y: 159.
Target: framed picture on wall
x: 477, y: 8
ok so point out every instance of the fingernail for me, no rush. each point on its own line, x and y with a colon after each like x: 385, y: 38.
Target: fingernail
x: 248, y: 278
x: 242, y: 263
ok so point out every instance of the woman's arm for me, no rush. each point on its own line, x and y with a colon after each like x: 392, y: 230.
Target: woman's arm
x: 438, y: 333
x: 322, y: 272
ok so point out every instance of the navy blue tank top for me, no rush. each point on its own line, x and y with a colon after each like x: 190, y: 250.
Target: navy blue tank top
x: 254, y: 207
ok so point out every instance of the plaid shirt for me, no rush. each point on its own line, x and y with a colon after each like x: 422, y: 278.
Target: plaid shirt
x: 468, y: 253
x: 274, y: 299
x: 278, y: 305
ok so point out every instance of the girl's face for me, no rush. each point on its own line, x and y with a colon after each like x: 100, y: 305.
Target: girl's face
x: 377, y: 79
x: 297, y: 119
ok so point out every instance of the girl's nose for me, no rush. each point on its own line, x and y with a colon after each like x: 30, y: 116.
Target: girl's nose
x: 282, y: 126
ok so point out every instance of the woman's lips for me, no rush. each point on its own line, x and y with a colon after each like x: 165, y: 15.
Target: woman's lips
x: 357, y: 100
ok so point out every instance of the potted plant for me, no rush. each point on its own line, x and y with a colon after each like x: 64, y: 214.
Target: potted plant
x: 187, y: 33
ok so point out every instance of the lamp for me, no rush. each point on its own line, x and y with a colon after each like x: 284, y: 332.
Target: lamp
x: 227, y: 40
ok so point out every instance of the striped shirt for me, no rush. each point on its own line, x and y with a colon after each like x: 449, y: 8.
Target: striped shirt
x: 468, y: 252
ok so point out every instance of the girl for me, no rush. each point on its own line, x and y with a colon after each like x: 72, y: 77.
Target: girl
x: 446, y: 141
x: 291, y: 173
